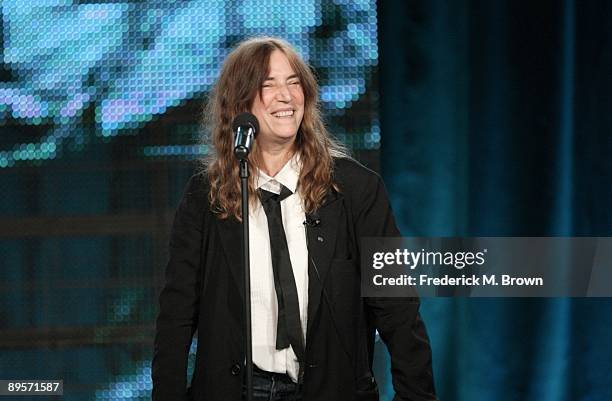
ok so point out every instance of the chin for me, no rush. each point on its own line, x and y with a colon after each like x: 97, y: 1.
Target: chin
x: 286, y: 137
x: 286, y: 132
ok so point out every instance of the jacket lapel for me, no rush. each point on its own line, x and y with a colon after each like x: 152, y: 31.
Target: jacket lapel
x: 321, y: 245
x: 230, y: 232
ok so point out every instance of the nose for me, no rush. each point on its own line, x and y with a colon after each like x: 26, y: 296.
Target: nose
x: 283, y: 94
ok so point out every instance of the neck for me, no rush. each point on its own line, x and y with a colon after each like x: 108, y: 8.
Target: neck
x: 273, y: 158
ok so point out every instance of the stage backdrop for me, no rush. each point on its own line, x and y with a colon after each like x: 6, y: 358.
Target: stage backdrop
x: 100, y: 103
x: 497, y: 121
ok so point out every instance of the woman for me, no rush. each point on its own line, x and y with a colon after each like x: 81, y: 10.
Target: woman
x: 313, y: 335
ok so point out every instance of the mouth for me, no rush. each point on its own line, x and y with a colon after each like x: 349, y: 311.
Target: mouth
x: 283, y: 113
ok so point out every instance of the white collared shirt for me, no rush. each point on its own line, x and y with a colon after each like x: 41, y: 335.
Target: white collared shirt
x: 264, y: 309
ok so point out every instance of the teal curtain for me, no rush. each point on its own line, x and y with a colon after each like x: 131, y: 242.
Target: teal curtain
x: 496, y: 120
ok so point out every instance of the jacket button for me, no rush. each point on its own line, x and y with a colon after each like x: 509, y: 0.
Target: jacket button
x: 235, y: 370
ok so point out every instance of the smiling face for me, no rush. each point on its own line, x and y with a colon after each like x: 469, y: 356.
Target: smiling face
x: 280, y: 107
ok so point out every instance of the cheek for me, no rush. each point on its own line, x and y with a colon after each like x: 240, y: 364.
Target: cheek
x: 259, y: 105
x: 298, y: 95
x: 265, y: 101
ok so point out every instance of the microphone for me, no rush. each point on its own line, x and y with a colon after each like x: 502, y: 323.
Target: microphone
x: 312, y: 220
x: 244, y: 127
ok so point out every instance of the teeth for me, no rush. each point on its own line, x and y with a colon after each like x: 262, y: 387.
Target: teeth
x: 286, y: 113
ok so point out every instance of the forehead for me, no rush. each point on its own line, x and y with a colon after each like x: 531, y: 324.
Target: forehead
x: 279, y: 65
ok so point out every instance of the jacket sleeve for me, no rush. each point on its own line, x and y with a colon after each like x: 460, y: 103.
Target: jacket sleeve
x: 396, y: 319
x: 179, y: 299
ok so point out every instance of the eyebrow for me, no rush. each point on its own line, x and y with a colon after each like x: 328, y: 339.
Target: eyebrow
x: 288, y: 78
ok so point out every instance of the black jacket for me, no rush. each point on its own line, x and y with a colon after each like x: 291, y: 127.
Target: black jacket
x: 203, y: 291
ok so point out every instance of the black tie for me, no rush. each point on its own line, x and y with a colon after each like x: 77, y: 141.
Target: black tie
x: 289, y: 327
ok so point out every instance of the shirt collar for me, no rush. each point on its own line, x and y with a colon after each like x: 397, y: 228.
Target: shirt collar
x: 287, y: 176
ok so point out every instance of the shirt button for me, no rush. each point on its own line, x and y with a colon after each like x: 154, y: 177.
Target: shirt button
x: 235, y: 370
x: 320, y: 239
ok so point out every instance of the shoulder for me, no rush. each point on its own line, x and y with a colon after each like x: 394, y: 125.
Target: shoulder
x: 198, y: 185
x: 194, y: 201
x: 353, y: 177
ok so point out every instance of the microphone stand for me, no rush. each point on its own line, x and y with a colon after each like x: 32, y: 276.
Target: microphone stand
x: 244, y: 188
x: 245, y: 127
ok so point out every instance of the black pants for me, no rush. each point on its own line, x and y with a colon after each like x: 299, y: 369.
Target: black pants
x: 268, y: 386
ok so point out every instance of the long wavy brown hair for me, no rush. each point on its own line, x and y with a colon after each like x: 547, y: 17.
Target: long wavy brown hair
x: 241, y: 79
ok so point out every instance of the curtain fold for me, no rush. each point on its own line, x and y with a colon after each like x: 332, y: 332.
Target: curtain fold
x: 496, y: 120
